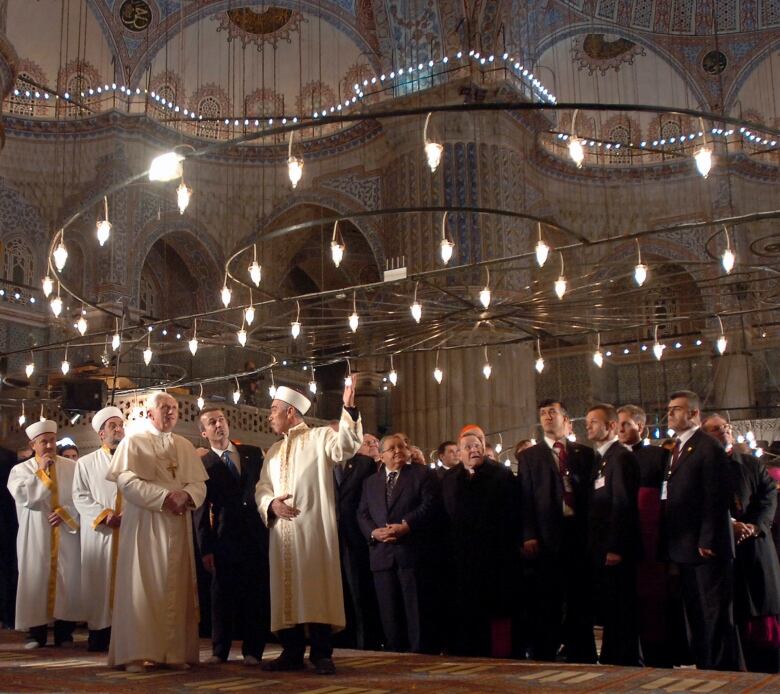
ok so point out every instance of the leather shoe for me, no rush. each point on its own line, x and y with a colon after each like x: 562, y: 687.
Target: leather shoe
x: 283, y: 664
x: 215, y: 660
x: 251, y: 661
x: 324, y: 666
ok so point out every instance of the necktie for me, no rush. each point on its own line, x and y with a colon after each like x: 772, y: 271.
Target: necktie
x: 565, y: 473
x: 675, y: 453
x: 391, y: 477
x: 231, y: 466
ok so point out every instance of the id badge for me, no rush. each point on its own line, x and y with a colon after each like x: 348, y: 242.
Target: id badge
x: 600, y: 482
x: 664, y: 490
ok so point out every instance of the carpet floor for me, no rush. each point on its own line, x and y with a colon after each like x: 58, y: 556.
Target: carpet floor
x: 358, y: 672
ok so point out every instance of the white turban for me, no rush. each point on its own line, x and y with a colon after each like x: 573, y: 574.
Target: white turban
x: 106, y: 413
x: 294, y: 398
x: 47, y: 426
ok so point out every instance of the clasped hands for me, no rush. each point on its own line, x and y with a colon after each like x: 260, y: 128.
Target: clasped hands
x: 392, y: 532
x: 743, y: 531
x: 177, y: 502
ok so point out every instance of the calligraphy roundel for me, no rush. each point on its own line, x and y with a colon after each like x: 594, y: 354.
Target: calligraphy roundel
x: 135, y: 15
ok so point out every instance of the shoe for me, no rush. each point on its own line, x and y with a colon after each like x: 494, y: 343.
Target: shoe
x: 32, y: 645
x: 178, y: 666
x: 65, y: 644
x: 138, y: 667
x: 215, y: 660
x: 283, y: 664
x: 251, y: 661
x: 324, y: 666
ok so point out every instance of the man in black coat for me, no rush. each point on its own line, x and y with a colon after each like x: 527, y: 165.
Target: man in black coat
x: 697, y: 530
x: 447, y: 458
x: 233, y: 542
x: 554, y: 478
x: 397, y: 511
x: 363, y: 629
x: 756, y: 566
x: 614, y: 538
x: 9, y: 526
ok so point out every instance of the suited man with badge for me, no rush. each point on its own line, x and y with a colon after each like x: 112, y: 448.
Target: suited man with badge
x: 233, y: 542
x: 696, y: 493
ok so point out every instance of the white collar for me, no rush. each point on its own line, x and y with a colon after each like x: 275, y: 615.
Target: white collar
x: 602, y: 449
x: 686, y: 435
x: 230, y: 449
x: 551, y: 442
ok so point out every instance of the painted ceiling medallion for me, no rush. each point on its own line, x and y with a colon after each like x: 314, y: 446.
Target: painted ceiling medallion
x: 270, y: 25
x: 604, y: 52
x: 136, y: 15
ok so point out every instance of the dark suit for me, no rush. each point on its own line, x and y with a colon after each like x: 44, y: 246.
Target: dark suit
x: 229, y: 527
x: 8, y: 529
x: 696, y: 514
x: 399, y: 567
x: 559, y: 575
x: 363, y: 628
x: 614, y: 528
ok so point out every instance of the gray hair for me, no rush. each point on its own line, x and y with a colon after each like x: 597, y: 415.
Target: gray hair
x: 154, y: 399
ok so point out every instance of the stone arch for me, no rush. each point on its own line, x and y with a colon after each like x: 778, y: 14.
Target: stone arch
x: 746, y: 71
x: 21, y: 219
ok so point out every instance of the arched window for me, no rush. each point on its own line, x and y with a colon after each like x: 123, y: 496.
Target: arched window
x: 621, y: 136
x: 77, y: 85
x: 209, y: 108
x: 18, y: 262
x: 671, y: 131
x: 147, y: 296
x: 167, y: 95
x: 22, y: 104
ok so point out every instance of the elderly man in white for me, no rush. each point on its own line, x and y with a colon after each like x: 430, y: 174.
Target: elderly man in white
x: 100, y: 508
x: 48, y: 540
x: 161, y: 479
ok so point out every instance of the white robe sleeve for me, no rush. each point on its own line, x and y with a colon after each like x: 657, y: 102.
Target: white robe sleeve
x: 197, y: 492
x: 141, y: 493
x: 264, y: 494
x: 83, y: 500
x: 343, y: 444
x: 27, y: 490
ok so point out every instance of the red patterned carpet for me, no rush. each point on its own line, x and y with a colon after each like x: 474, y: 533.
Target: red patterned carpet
x: 359, y: 672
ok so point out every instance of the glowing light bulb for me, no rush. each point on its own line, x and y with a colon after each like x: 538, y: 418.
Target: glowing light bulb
x: 539, y: 365
x: 542, y: 251
x: 183, y: 194
x: 416, y: 310
x: 354, y: 319
x: 560, y: 287
x: 728, y: 259
x: 147, y: 355
x: 484, y: 297
x: 48, y: 286
x: 22, y: 419
x: 703, y: 158
x: 272, y: 391
x: 115, y: 342
x: 487, y: 370
x: 236, y: 396
x: 313, y: 387
x: 65, y: 367
x: 166, y: 167
x: 438, y: 375
x: 295, y: 170
x: 721, y: 344
x: 446, y: 247
x: 29, y: 369
x: 81, y: 325
x: 576, y: 151
x: 193, y: 344
x: 60, y: 256
x: 572, y: 437
x: 56, y: 306
x: 241, y: 335
x: 337, y: 252
x: 255, y: 273
x: 103, y: 231
x: 598, y: 358
x: 295, y: 329
x: 433, y: 152
x: 640, y: 274
x: 658, y: 350
x: 393, y: 377
x: 498, y: 448
x: 226, y: 294
x: 201, y: 402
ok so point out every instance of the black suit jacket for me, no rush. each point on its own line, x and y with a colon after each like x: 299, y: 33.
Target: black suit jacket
x: 696, y: 512
x: 415, y: 499
x: 613, y: 515
x: 652, y: 464
x: 228, y: 523
x: 348, y: 493
x: 541, y: 492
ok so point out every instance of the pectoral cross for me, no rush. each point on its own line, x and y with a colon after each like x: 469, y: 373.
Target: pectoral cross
x: 172, y: 469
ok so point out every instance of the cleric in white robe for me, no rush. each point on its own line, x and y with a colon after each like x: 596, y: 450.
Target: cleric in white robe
x: 100, y: 509
x: 296, y: 499
x: 48, y: 540
x: 161, y: 479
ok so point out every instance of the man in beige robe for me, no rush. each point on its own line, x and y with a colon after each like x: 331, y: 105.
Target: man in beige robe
x: 48, y: 540
x: 161, y: 479
x: 100, y: 508
x: 296, y: 499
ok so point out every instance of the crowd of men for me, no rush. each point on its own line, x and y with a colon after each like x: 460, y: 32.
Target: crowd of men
x: 335, y: 537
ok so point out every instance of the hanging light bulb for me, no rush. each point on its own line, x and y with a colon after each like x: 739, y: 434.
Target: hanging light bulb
x: 598, y: 357
x: 446, y: 246
x: 29, y: 369
x: 166, y: 167
x: 354, y: 318
x: 116, y: 340
x: 22, y: 417
x: 294, y: 165
x: 255, y: 271
x: 539, y: 365
x: 295, y: 326
x: 81, y: 325
x: 416, y: 308
x: 640, y: 269
x: 104, y: 226
x: 313, y: 384
x: 484, y: 295
x: 183, y: 195
x: 658, y: 348
x: 56, y: 303
x: 236, y: 393
x: 393, y: 375
x: 438, y: 374
x: 722, y: 342
x: 201, y: 401
x: 728, y: 258
x: 433, y: 150
x: 560, y: 283
x: 703, y: 159
x: 48, y: 286
x: 487, y: 369
x: 226, y: 294
x: 500, y: 445
x: 60, y: 254
x: 542, y: 249
x: 337, y: 246
x: 65, y: 366
x: 241, y: 335
x: 576, y: 150
x: 272, y: 389
x: 148, y: 350
x: 193, y: 343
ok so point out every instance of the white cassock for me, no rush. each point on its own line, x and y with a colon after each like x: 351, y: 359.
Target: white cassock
x: 49, y: 558
x: 94, y: 496
x: 155, y: 611
x: 304, y: 552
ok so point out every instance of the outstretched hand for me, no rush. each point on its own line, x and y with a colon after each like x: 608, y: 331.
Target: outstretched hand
x: 349, y: 391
